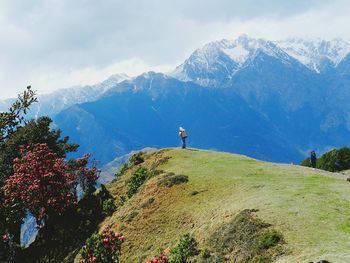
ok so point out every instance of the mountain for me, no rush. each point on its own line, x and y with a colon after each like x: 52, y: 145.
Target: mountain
x: 251, y: 96
x: 147, y: 111
x: 272, y: 100
x: 300, y: 85
x: 318, y: 55
x: 54, y: 102
x: 229, y: 203
x: 221, y: 60
x: 217, y: 62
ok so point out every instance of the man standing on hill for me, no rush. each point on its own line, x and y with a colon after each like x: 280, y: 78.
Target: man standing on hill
x: 183, y: 136
x: 313, y: 159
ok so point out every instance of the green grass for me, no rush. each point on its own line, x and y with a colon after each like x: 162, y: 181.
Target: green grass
x: 310, y: 208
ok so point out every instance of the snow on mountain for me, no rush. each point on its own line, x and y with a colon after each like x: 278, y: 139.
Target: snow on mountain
x: 313, y: 53
x: 54, y: 102
x: 229, y: 56
x: 226, y: 57
x: 237, y: 53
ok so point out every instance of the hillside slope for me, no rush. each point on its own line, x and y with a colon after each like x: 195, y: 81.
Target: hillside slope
x: 309, y: 207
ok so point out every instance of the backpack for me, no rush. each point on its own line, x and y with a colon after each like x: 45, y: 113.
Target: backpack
x: 183, y: 134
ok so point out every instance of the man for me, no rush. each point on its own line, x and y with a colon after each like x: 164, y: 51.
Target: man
x: 313, y: 159
x: 183, y: 136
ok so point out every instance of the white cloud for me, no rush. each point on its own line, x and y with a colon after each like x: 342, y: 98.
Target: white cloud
x: 60, y: 43
x: 93, y: 75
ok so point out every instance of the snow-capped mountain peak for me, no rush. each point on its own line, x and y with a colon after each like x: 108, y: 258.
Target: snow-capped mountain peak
x: 312, y: 53
x: 227, y: 57
x: 238, y: 50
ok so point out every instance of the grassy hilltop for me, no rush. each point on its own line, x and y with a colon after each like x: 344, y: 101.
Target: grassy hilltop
x: 309, y: 208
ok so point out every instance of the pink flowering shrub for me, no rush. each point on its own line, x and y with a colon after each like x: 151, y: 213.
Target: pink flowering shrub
x: 161, y: 259
x: 44, y: 183
x: 102, y: 248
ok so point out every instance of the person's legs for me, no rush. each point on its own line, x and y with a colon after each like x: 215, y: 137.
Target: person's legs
x: 183, y: 143
x: 313, y: 163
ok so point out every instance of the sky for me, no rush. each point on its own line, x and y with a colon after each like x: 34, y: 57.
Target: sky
x: 53, y: 44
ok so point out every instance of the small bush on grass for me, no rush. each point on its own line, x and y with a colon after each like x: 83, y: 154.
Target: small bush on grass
x: 136, y: 180
x: 102, y: 248
x: 162, y: 258
x: 186, y: 248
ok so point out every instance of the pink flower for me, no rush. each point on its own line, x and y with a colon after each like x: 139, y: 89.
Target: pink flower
x: 5, y: 238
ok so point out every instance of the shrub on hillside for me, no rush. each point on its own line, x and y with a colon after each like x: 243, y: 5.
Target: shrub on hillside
x: 162, y: 258
x: 136, y: 158
x: 17, y: 130
x: 108, y: 206
x: 136, y: 180
x: 45, y: 184
x: 186, y: 248
x: 62, y: 236
x: 335, y: 160
x: 102, y: 248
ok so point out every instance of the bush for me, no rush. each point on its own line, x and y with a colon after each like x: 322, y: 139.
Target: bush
x: 108, y: 206
x: 136, y: 158
x: 186, y: 247
x: 335, y: 160
x: 136, y: 180
x: 102, y: 248
x: 45, y: 184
